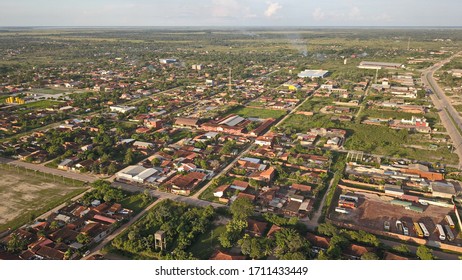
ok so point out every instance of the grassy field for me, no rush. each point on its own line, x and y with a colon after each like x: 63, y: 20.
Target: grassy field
x: 207, y: 243
x: 378, y: 140
x: 42, y: 104
x: 135, y: 202
x: 25, y: 196
x: 247, y: 112
x: 49, y: 90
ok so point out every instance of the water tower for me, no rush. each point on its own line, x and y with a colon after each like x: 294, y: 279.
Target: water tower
x: 159, y: 240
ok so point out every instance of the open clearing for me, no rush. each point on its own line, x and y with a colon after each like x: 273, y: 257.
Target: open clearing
x: 374, y: 210
x: 23, y: 197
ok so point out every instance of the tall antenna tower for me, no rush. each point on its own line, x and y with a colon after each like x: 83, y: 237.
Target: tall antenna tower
x: 230, y: 84
x: 409, y: 44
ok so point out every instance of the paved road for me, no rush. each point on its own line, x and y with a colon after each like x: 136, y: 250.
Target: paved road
x: 52, y: 171
x: 445, y: 109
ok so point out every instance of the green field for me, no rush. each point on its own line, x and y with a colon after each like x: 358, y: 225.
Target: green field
x: 372, y: 139
x: 207, y: 243
x: 247, y: 112
x: 42, y: 104
x: 24, y: 195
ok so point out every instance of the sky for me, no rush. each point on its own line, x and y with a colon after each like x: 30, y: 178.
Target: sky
x: 230, y: 13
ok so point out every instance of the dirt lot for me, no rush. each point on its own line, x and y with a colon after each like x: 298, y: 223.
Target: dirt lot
x: 374, y: 210
x: 22, y: 195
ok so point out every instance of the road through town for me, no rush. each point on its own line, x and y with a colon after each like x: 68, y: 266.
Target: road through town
x: 450, y: 118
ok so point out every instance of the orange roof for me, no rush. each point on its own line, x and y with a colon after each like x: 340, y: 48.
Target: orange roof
x: 318, y: 241
x: 356, y: 250
x: 300, y: 187
x: 225, y: 256
x: 247, y: 195
x: 268, y: 172
x: 222, y: 188
x: 241, y: 184
x: 273, y: 229
x: 256, y: 226
x: 391, y: 256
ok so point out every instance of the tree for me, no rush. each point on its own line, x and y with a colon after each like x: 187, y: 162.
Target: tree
x: 16, y: 243
x: 155, y: 161
x: 403, y: 249
x: 112, y: 168
x: 424, y: 253
x: 54, y: 225
x: 369, y: 256
x: 322, y: 256
x: 255, y: 247
x: 327, y: 229
x: 290, y: 241
x: 83, y: 238
x: 129, y: 157
x: 242, y: 208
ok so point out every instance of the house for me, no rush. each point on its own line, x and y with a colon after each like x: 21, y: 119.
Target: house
x: 300, y: 187
x: 122, y: 109
x: 264, y: 141
x: 250, y: 197
x: 292, y: 208
x: 143, y: 145
x: 65, y: 164
x: 356, y: 251
x: 220, y: 191
x: 239, y: 185
x: 273, y: 230
x: 221, y: 256
x: 318, y: 241
x: 187, y: 122
x: 256, y: 228
x: 184, y: 184
x: 50, y: 253
x: 268, y: 174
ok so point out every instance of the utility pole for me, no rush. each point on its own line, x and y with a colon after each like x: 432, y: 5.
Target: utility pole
x: 376, y: 75
x: 409, y: 44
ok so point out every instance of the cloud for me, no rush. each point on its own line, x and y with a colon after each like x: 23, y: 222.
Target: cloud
x: 338, y: 15
x: 272, y: 9
x: 319, y: 14
x: 230, y: 9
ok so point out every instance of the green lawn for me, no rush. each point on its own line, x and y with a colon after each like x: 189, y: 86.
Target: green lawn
x: 135, y: 202
x: 208, y: 193
x: 257, y: 113
x: 49, y: 90
x: 379, y: 140
x: 42, y: 104
x: 207, y: 243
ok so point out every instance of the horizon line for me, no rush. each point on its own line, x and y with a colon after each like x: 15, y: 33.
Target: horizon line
x: 232, y: 26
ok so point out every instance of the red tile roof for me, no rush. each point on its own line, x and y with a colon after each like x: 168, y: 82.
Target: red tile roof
x: 225, y: 256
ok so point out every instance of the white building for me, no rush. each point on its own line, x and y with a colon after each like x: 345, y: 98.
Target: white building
x: 122, y: 109
x: 313, y: 74
x: 136, y: 173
